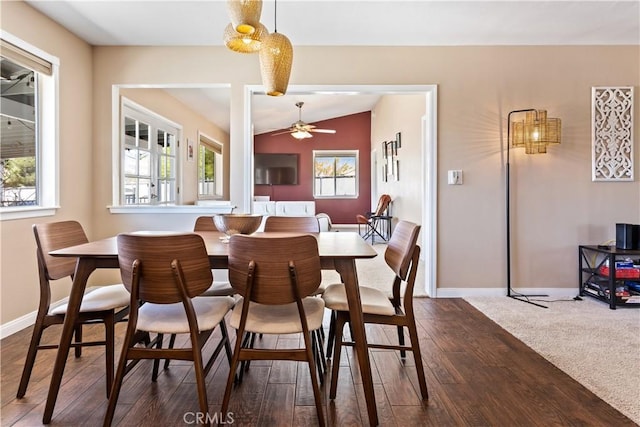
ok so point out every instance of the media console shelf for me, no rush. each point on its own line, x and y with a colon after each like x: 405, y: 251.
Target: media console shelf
x: 599, y: 282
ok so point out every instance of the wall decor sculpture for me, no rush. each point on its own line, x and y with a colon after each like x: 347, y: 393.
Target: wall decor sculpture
x: 612, y: 133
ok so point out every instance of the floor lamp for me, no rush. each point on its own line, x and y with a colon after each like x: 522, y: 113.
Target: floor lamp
x: 533, y: 133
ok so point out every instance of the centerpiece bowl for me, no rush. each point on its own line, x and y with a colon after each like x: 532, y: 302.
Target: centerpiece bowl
x: 231, y: 224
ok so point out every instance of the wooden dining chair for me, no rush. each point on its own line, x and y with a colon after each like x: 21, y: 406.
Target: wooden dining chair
x: 275, y: 276
x: 165, y: 274
x: 302, y: 224
x: 105, y: 304
x: 218, y: 287
x: 204, y: 223
x: 402, y: 256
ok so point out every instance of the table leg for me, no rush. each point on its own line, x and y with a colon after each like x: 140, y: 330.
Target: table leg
x: 84, y: 268
x: 347, y: 270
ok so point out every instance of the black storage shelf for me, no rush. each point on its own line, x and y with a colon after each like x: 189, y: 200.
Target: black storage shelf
x: 603, y: 287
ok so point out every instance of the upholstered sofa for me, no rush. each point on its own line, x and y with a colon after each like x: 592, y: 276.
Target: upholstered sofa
x: 290, y: 208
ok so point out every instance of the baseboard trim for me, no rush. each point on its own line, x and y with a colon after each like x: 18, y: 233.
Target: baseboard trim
x: 10, y: 328
x: 497, y: 292
x: 345, y: 226
x: 13, y: 326
x: 16, y: 325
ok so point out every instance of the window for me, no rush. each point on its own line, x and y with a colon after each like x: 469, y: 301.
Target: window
x: 209, y: 168
x: 28, y: 130
x: 150, y: 157
x: 335, y: 174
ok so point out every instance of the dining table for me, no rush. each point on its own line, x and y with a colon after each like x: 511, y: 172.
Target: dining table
x: 338, y: 251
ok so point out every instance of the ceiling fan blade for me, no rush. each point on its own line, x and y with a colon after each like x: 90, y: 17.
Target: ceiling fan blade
x: 301, y: 130
x: 322, y: 130
x: 282, y: 133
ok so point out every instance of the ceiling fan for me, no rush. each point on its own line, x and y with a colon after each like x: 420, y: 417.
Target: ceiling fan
x: 302, y: 130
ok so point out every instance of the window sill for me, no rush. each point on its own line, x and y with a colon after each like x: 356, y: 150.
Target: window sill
x: 8, y: 214
x: 334, y: 197
x: 171, y: 209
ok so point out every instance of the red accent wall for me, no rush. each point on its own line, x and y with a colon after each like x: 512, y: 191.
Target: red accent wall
x: 353, y: 132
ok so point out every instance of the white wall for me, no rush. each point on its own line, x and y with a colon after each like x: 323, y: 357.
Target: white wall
x: 401, y: 113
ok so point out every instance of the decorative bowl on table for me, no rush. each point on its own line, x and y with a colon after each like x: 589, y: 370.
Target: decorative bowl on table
x: 231, y: 224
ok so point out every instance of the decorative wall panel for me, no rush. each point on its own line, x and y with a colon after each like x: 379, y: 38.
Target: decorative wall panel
x: 612, y: 133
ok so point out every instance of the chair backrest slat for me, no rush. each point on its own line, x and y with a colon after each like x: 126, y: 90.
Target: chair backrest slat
x: 413, y: 271
x: 302, y: 224
x: 401, y: 246
x: 57, y: 235
x: 155, y: 253
x: 204, y: 223
x: 271, y: 255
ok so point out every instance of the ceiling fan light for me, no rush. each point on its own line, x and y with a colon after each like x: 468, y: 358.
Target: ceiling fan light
x: 301, y: 134
x: 244, y: 43
x: 276, y: 58
x: 244, y: 15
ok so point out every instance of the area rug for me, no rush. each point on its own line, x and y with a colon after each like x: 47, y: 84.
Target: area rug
x: 598, y: 347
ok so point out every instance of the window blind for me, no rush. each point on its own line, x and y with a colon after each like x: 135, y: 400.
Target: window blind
x: 216, y: 148
x: 24, y: 58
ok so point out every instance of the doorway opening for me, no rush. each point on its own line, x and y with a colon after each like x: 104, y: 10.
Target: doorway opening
x: 428, y: 152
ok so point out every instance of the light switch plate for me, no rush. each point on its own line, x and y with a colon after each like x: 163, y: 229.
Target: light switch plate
x: 454, y: 177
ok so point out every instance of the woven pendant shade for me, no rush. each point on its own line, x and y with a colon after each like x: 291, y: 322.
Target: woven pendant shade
x: 244, y: 43
x: 276, y: 57
x: 550, y: 129
x: 244, y: 14
x: 535, y: 132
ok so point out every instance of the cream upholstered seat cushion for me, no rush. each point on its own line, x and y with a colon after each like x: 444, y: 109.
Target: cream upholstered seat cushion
x: 320, y: 289
x: 373, y: 301
x: 279, y: 319
x: 219, y: 289
x: 172, y: 319
x: 100, y: 299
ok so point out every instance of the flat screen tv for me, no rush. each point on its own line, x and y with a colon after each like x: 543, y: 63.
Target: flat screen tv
x: 276, y: 169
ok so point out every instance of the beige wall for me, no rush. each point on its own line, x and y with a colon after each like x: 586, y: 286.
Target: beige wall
x: 160, y: 102
x: 555, y: 204
x: 19, y: 273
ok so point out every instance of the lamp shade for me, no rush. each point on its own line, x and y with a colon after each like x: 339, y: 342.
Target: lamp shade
x: 276, y: 57
x: 244, y: 14
x: 244, y: 43
x: 535, y: 132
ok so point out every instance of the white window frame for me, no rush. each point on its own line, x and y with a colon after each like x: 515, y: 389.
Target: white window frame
x: 215, y: 146
x: 47, y: 137
x: 156, y: 122
x: 337, y: 153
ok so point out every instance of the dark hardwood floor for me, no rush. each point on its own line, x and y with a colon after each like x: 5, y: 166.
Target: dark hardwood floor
x: 477, y: 374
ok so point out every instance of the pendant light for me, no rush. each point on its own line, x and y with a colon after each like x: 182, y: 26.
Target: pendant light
x: 244, y: 15
x: 244, y: 43
x: 276, y: 57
